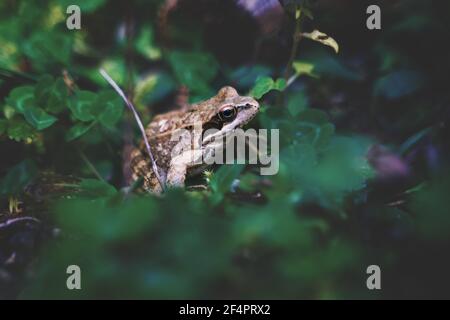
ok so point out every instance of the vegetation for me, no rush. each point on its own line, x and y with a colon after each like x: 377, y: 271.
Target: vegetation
x: 363, y: 179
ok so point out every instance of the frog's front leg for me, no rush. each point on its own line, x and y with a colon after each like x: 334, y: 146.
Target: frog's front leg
x: 176, y: 175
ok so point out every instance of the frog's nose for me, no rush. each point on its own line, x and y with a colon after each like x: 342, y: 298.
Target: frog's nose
x: 255, y: 103
x: 251, y: 104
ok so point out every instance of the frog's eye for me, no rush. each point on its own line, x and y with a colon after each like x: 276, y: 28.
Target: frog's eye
x: 227, y: 113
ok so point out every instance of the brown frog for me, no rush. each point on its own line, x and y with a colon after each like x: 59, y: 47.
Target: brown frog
x: 224, y: 112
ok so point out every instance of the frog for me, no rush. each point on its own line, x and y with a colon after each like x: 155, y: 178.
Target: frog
x: 221, y: 115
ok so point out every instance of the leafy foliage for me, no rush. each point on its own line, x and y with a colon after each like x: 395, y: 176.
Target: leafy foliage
x: 339, y: 202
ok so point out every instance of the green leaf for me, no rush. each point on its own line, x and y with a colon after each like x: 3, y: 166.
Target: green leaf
x: 38, y: 118
x: 20, y: 130
x: 328, y: 64
x: 314, y: 116
x: 326, y: 132
x: 112, y: 108
x: 145, y: 44
x: 96, y: 188
x: 9, y: 112
x: 77, y: 131
x: 261, y: 87
x: 21, y: 98
x: 18, y: 177
x: 280, y: 84
x: 82, y: 105
x: 51, y: 94
x: 194, y: 69
x: 222, y: 179
x: 265, y: 84
x: 153, y: 88
x: 43, y: 87
x: 306, y: 68
x: 430, y: 208
x: 297, y: 102
x: 311, y: 126
x: 48, y: 49
x: 398, y: 84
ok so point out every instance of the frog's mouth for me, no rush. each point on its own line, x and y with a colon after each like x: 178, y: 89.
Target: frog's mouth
x: 216, y: 132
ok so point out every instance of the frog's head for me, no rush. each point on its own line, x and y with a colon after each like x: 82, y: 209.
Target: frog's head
x: 231, y: 111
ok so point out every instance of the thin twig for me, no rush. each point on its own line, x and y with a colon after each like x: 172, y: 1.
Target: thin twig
x: 139, y: 122
x: 90, y: 165
x: 296, y: 39
x: 12, y: 221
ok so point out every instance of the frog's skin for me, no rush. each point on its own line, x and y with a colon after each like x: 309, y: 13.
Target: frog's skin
x: 226, y: 111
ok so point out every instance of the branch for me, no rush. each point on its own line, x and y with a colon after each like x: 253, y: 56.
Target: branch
x: 139, y: 122
x: 12, y: 221
x: 296, y: 39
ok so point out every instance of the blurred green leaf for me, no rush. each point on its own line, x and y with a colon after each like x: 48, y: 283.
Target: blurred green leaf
x: 430, y: 205
x: 82, y: 105
x: 18, y: 177
x: 111, y: 106
x: 38, y: 118
x: 398, y: 84
x: 330, y: 65
x: 153, y: 88
x: 93, y: 188
x: 21, y: 98
x: 49, y: 49
x: 51, y: 95
x: 145, y: 44
x: 221, y: 180
x: 77, y: 131
x: 194, y: 69
x: 298, y: 102
x: 20, y: 130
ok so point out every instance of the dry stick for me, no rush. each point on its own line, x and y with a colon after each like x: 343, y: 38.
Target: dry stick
x: 90, y: 165
x: 139, y: 122
x: 14, y: 220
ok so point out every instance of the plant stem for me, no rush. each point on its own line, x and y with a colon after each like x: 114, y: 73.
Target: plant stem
x: 295, y: 41
x: 90, y: 165
x: 288, y: 70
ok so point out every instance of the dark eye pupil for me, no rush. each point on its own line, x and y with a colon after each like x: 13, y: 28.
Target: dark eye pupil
x: 227, y: 113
